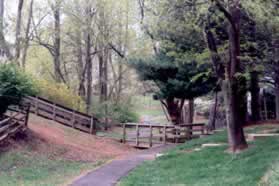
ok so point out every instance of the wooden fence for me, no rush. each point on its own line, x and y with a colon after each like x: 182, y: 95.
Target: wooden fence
x: 63, y: 115
x: 147, y: 135
x: 15, y: 119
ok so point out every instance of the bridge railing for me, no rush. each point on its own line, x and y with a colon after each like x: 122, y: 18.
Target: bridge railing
x: 15, y: 119
x: 146, y: 135
x: 63, y: 115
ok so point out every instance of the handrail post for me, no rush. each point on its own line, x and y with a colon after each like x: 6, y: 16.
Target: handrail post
x: 137, y: 135
x: 54, y: 112
x: 124, y: 133
x: 36, y: 105
x: 151, y: 136
x: 73, y: 119
x: 92, y: 125
x: 27, y: 116
x: 165, y: 135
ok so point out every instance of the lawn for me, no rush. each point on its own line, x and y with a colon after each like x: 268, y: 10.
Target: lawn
x: 20, y: 167
x: 148, y: 108
x: 212, y: 166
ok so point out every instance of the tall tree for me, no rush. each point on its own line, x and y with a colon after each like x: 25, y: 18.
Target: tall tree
x: 3, y: 42
x: 27, y: 35
x: 18, y: 31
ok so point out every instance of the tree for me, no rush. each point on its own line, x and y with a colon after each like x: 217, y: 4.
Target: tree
x: 176, y: 82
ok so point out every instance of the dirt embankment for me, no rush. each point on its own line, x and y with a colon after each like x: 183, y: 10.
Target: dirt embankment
x: 57, y: 141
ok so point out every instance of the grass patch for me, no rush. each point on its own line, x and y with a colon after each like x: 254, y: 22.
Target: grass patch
x: 211, y: 166
x: 23, y: 168
x: 147, y: 107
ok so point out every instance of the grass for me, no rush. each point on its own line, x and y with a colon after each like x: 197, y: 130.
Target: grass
x: 20, y: 167
x: 212, y: 166
x: 146, y: 106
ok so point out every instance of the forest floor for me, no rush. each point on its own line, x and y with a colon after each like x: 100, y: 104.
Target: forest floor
x: 49, y: 154
x: 205, y: 162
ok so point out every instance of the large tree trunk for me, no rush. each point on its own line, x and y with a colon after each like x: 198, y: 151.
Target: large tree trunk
x: 3, y: 44
x: 276, y: 78
x: 191, y: 111
x: 89, y: 73
x: 255, y: 96
x: 277, y: 102
x: 82, y: 69
x: 174, y: 108
x: 57, y: 42
x: 18, y: 30
x: 213, y: 113
x: 88, y: 60
x: 235, y: 89
x: 27, y: 37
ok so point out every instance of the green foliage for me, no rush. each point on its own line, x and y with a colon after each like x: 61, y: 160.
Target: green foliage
x: 61, y: 94
x: 176, y: 80
x: 118, y: 112
x: 14, y: 85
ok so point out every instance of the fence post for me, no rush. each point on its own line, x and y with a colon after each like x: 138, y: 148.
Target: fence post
x: 124, y: 133
x: 27, y: 116
x: 151, y: 136
x: 92, y: 128
x: 54, y: 112
x: 73, y: 119
x: 165, y: 135
x: 36, y: 105
x: 137, y: 135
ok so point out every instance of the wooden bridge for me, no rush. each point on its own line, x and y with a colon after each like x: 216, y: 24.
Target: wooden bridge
x: 148, y: 135
x: 15, y: 119
x: 61, y: 114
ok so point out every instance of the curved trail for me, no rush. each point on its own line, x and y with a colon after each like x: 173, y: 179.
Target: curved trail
x: 111, y: 173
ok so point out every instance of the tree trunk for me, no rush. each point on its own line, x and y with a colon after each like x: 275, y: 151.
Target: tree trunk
x: 255, y: 96
x: 89, y: 73
x: 213, y: 113
x: 3, y: 43
x: 235, y: 89
x: 57, y: 42
x: 88, y: 60
x: 174, y: 109
x: 276, y: 74
x: 27, y: 39
x: 191, y: 107
x: 18, y: 30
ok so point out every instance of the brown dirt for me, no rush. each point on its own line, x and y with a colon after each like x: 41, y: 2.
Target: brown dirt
x: 57, y: 141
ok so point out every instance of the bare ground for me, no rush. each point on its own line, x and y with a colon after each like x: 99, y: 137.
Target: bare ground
x: 57, y: 141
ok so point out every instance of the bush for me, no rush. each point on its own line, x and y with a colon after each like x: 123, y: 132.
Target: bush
x: 121, y: 113
x: 14, y: 85
x: 60, y: 94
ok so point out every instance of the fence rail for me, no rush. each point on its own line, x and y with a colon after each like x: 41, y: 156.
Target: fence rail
x: 146, y: 135
x: 63, y: 115
x: 15, y: 119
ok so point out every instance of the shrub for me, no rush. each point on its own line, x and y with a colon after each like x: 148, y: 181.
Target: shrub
x: 121, y: 112
x: 14, y: 85
x: 61, y: 94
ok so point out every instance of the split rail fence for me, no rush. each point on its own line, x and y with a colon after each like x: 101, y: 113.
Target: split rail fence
x: 62, y: 115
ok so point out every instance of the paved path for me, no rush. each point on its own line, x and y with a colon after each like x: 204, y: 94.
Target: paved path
x: 111, y: 173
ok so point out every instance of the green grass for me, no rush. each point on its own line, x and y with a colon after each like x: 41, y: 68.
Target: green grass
x: 22, y: 168
x: 146, y: 106
x: 212, y: 166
